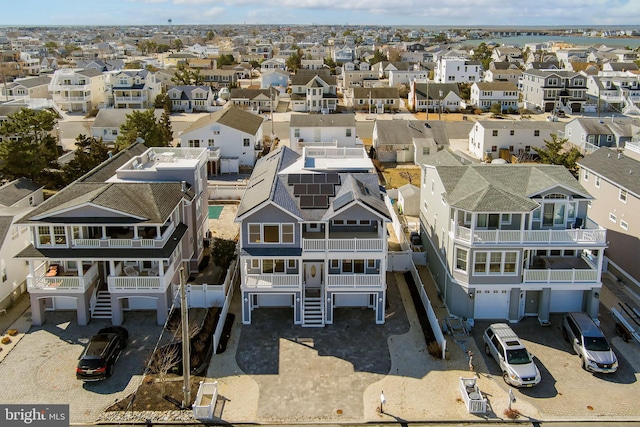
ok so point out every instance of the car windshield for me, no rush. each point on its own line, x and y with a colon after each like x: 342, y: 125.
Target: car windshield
x: 596, y: 344
x: 518, y: 357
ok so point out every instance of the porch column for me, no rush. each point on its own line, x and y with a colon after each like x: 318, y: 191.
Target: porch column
x: 84, y: 314
x: 544, y: 305
x: 592, y: 302
x: 380, y: 305
x: 514, y: 305
x: 298, y: 305
x: 162, y: 309
x: 37, y: 309
x: 116, y: 310
x: 246, y: 308
x: 328, y: 309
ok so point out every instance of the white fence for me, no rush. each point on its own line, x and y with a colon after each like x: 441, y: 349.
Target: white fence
x: 433, y: 320
x: 226, y: 192
x: 205, y: 402
x: 233, y: 276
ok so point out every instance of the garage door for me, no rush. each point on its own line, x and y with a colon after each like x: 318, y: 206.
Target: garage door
x: 565, y: 301
x: 491, y: 304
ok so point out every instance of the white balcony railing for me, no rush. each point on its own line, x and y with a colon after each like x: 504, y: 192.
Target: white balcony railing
x: 122, y: 284
x: 353, y: 280
x: 586, y: 236
x: 66, y: 282
x: 268, y: 281
x: 119, y: 243
x: 560, y: 276
x: 119, y: 99
x: 342, y: 245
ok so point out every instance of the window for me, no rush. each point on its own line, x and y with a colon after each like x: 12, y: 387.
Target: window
x: 527, y: 148
x: 495, y: 259
x: 461, y: 259
x: 287, y: 233
x: 597, y: 182
x: 334, y: 263
x: 623, y: 196
x: 495, y: 132
x: 271, y: 233
x: 254, y: 233
x: 358, y: 266
x: 536, y: 133
x: 480, y: 264
x: 245, y: 142
x: 348, y: 133
x: 347, y: 266
x: 494, y: 148
x: 296, y: 133
x: 586, y: 175
x: 512, y: 132
x: 371, y: 263
x: 613, y: 217
x: 194, y: 143
x: 255, y: 263
x: 510, y: 262
x: 211, y: 143
x: 505, y: 218
x: 624, y: 225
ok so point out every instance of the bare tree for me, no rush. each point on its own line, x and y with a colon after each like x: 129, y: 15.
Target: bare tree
x: 161, y: 361
x: 409, y: 176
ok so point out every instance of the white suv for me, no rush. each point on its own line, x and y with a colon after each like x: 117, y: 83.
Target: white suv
x: 513, y: 358
x: 589, y: 343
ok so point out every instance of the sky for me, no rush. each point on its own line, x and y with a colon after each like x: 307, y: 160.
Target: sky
x: 304, y: 12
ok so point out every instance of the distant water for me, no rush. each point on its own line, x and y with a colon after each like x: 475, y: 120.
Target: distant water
x: 576, y: 40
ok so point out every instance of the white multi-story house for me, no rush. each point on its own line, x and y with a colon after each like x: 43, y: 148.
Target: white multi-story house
x: 342, y: 54
x: 615, y: 92
x: 509, y: 241
x: 425, y: 95
x: 552, y: 90
x: 485, y: 94
x: 78, y: 90
x: 313, y: 235
x: 508, y: 75
x: 191, y: 98
x: 274, y: 78
x: 27, y: 88
x: 322, y: 130
x: 494, y: 139
x: 405, y: 77
x: 316, y: 51
x: 314, y: 91
x: 233, y: 139
x: 17, y: 198
x: 450, y: 69
x: 132, y: 89
x: 612, y: 178
x: 116, y: 239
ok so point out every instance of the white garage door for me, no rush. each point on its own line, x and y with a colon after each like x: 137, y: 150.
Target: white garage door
x: 565, y: 301
x: 491, y: 304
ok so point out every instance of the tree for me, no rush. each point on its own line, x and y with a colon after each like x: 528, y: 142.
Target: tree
x: 140, y: 124
x: 161, y: 361
x: 483, y: 54
x: 210, y: 35
x: 378, y: 56
x: 177, y: 44
x: 496, y: 108
x: 163, y: 101
x: 226, y: 59
x: 89, y: 153
x: 555, y: 153
x: 165, y: 127
x: 52, y: 47
x: 409, y: 176
x: 294, y: 62
x: 464, y: 90
x: 28, y: 147
x: 185, y: 76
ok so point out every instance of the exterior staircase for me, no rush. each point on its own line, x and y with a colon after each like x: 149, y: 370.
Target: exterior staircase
x: 102, y: 307
x: 630, y: 108
x: 313, y: 309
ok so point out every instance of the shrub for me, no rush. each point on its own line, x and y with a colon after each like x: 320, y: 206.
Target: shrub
x: 511, y: 413
x: 12, y: 332
x: 434, y: 349
x: 5, y: 340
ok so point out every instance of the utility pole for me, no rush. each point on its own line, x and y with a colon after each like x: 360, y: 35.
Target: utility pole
x: 428, y: 100
x: 186, y: 356
x: 440, y: 105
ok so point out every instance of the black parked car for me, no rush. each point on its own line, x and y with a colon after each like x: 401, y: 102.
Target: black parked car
x: 105, y: 347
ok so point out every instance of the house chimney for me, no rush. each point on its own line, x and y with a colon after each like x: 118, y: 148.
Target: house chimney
x: 184, y: 186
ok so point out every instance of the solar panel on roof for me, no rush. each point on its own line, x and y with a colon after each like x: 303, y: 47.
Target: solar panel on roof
x: 306, y: 178
x: 306, y: 202
x: 327, y: 189
x: 299, y: 189
x: 319, y: 178
x: 333, y: 178
x: 313, y: 188
x: 320, y: 202
x: 293, y: 178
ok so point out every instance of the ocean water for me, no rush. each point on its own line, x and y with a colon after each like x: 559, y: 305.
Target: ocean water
x: 576, y: 40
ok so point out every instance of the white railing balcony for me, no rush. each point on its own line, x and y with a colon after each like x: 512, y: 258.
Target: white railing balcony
x: 128, y: 284
x: 63, y: 282
x: 353, y: 281
x: 271, y: 281
x: 119, y: 243
x: 61, y: 98
x: 611, y: 98
x: 560, y: 276
x: 214, y: 153
x: 572, y: 236
x: 343, y: 245
x: 76, y: 87
x: 119, y: 99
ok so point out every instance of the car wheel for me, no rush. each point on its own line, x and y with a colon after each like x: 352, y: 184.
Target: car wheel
x: 487, y: 349
x: 505, y: 377
x: 565, y: 335
x: 110, y: 370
